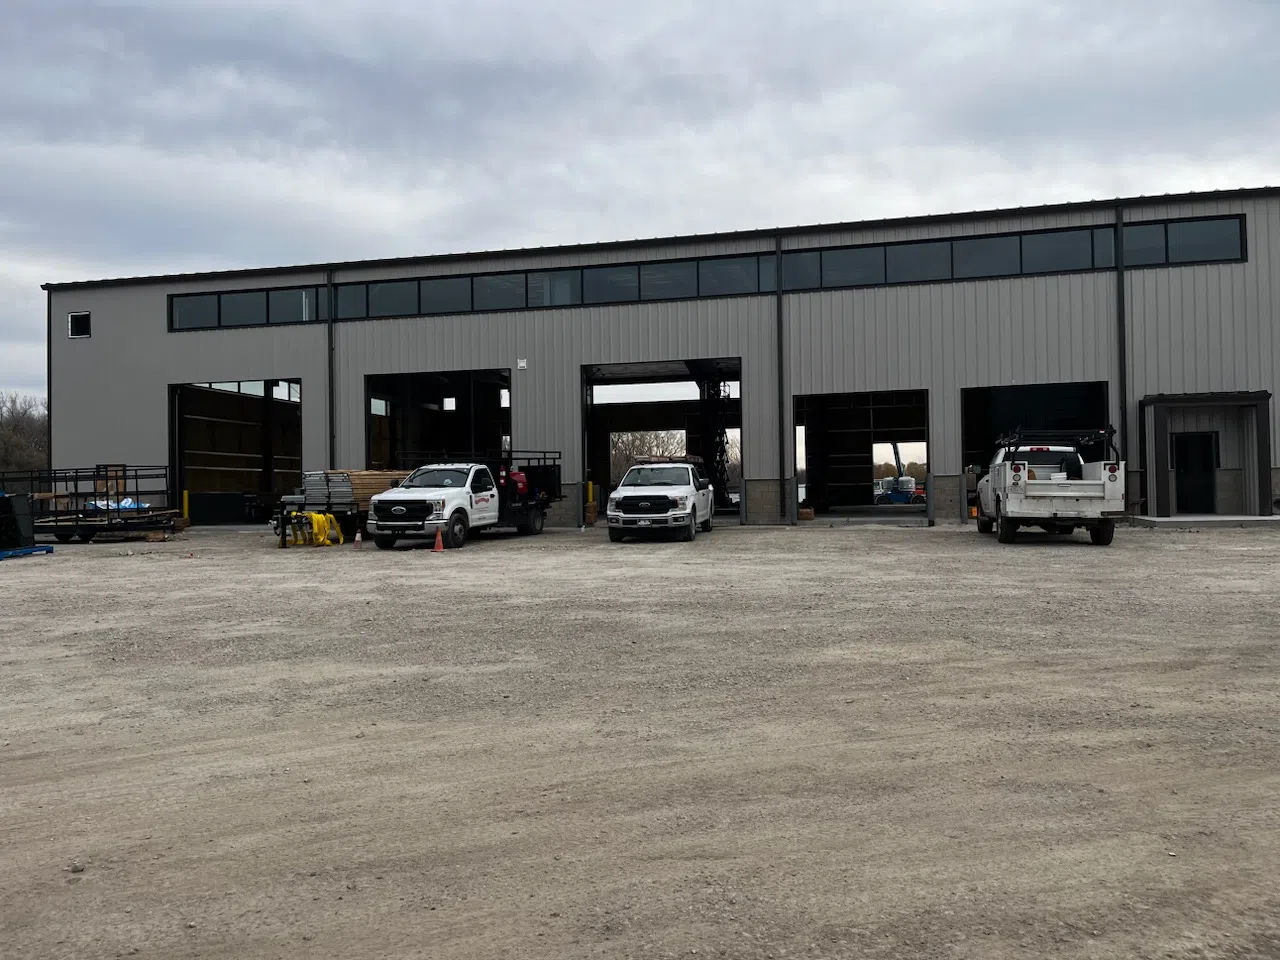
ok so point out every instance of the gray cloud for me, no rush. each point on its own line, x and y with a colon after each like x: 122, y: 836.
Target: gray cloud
x: 141, y: 137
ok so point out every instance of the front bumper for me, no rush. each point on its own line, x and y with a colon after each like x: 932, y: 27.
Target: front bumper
x: 627, y: 521
x: 412, y: 528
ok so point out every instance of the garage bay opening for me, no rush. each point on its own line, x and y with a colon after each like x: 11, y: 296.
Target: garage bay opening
x: 236, y: 447
x: 863, y: 454
x: 664, y: 409
x: 413, y: 418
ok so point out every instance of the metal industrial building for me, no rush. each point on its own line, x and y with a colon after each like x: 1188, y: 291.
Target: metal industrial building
x: 1159, y: 315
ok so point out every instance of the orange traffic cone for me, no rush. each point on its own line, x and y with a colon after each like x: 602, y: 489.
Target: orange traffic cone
x: 439, y: 547
x: 359, y: 539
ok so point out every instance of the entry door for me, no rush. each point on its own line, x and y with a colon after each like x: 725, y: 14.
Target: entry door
x: 1194, y: 465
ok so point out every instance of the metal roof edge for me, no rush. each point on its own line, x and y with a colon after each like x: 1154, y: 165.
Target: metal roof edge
x: 642, y: 243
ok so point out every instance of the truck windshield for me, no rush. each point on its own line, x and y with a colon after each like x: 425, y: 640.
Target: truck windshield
x: 656, y: 477
x: 436, y: 477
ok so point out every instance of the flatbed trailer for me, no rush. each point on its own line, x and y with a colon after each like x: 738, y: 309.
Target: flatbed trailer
x: 85, y: 502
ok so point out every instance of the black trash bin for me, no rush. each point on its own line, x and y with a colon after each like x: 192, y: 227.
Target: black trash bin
x: 16, y: 530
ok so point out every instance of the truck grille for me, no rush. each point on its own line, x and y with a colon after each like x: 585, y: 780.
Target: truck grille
x: 645, y: 505
x: 415, y: 511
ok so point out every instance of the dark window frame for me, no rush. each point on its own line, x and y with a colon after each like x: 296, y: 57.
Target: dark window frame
x: 417, y: 298
x: 1244, y: 240
x: 471, y: 295
x: 760, y: 256
x: 523, y: 289
x: 72, y: 317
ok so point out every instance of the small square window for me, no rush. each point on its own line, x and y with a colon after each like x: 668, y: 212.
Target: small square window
x: 78, y: 326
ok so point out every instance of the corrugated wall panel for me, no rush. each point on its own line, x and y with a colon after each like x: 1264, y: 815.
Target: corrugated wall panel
x: 944, y: 337
x: 1227, y: 424
x: 110, y: 391
x: 1213, y: 327
x: 545, y: 397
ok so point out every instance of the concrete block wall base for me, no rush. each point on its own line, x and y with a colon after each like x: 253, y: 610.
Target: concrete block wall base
x: 568, y: 512
x: 947, y: 505
x: 763, y: 501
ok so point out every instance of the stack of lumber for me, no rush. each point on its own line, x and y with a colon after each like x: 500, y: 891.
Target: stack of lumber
x: 368, y: 483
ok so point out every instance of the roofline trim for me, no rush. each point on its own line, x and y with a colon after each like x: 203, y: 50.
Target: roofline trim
x: 641, y: 244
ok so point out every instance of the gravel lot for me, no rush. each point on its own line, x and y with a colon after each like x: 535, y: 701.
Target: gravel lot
x: 852, y: 742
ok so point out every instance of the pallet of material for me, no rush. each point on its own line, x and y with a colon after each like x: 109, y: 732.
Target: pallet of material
x: 366, y: 484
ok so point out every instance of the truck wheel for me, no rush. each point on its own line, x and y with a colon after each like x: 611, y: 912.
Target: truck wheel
x: 384, y: 543
x: 456, y: 536
x: 62, y: 537
x: 881, y: 500
x: 1006, y: 529
x: 86, y: 536
x: 615, y: 536
x: 690, y: 533
x: 1103, y: 533
x: 985, y: 524
x: 706, y: 524
x: 534, y: 526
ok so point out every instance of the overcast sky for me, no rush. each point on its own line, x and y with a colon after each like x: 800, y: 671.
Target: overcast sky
x: 148, y: 137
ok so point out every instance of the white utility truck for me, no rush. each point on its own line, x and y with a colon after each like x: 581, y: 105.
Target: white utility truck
x: 459, y: 497
x: 662, y: 494
x: 1048, y: 479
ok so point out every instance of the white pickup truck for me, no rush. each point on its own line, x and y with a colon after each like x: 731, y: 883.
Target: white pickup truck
x: 459, y: 498
x: 661, y: 496
x: 1042, y: 480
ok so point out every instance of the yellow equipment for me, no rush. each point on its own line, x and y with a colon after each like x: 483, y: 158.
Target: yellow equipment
x: 312, y: 530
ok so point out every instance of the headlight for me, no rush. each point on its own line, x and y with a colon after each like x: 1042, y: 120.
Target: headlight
x: 682, y: 503
x: 613, y: 503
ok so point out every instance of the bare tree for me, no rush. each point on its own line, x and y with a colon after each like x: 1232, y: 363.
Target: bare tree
x: 24, y: 422
x: 624, y: 448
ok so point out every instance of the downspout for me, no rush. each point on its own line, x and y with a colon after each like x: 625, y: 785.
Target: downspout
x: 48, y: 377
x: 782, y: 382
x: 1122, y: 343
x: 330, y: 299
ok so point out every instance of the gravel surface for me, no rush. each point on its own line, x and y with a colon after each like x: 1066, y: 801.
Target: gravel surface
x: 819, y: 742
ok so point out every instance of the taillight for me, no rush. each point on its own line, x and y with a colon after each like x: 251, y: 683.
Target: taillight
x: 1112, y: 467
x: 1017, y: 468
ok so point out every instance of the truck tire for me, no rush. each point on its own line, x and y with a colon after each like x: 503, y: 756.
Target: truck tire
x: 986, y: 525
x: 86, y: 536
x: 384, y: 543
x: 705, y: 526
x: 1006, y: 529
x: 62, y: 537
x: 1103, y: 533
x: 615, y: 536
x: 455, y: 537
x: 881, y: 500
x: 690, y: 533
x: 535, y: 524
x: 917, y: 499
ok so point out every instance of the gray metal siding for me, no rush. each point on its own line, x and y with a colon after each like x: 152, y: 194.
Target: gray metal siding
x: 1212, y: 327
x: 944, y: 337
x: 1228, y: 424
x: 546, y: 397
x: 110, y: 391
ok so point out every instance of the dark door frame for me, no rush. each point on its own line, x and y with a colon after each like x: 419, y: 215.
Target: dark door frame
x: 1160, y: 404
x: 1212, y: 437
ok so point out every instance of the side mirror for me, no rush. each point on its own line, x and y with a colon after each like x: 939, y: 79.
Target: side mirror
x: 704, y: 484
x: 977, y: 468
x: 394, y: 483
